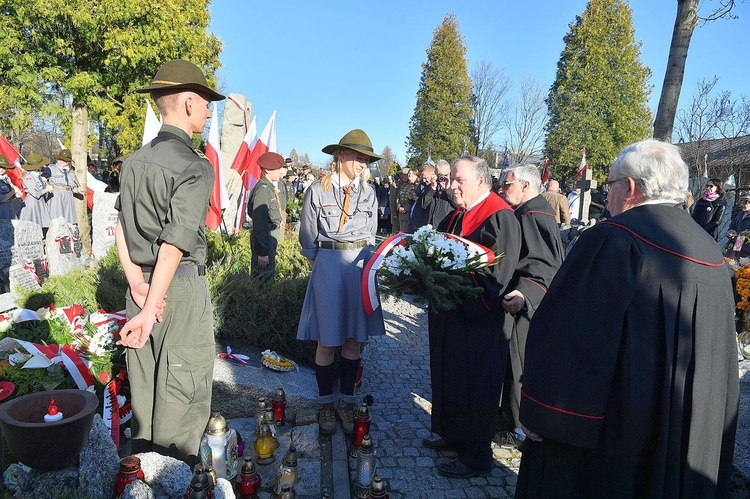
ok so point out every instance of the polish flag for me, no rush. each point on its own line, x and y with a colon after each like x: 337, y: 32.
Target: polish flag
x: 241, y: 161
x: 93, y: 185
x: 584, y: 164
x: 219, y: 196
x: 151, y: 126
x: 545, y: 171
x: 16, y: 174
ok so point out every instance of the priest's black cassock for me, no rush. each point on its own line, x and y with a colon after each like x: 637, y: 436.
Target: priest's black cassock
x: 634, y: 392
x: 467, y: 346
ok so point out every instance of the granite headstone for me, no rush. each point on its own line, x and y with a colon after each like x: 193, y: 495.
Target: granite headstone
x: 20, y: 242
x: 103, y: 222
x: 64, y: 247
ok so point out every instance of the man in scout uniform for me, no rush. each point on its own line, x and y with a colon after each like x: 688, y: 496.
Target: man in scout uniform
x: 164, y: 194
x: 267, y: 208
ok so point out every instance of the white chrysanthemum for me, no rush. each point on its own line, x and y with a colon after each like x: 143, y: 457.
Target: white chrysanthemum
x: 424, y: 233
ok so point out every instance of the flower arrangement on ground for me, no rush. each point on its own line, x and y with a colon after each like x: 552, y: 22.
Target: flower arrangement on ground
x: 433, y: 266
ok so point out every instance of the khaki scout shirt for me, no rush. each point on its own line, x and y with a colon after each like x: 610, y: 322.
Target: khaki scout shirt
x: 268, y: 215
x: 164, y: 194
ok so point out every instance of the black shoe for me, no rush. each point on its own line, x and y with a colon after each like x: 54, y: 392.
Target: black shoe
x: 434, y: 442
x: 510, y: 440
x: 456, y: 469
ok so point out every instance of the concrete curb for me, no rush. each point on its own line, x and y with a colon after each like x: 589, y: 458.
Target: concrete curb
x: 341, y: 486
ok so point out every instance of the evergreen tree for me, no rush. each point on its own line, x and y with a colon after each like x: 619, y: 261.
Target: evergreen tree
x: 599, y: 99
x: 443, y: 112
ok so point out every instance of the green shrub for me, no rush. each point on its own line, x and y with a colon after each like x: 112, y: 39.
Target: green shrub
x: 262, y: 313
x: 102, y: 286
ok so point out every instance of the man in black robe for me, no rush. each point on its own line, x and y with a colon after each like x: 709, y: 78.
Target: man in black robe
x: 541, y: 255
x: 634, y: 394
x: 467, y: 346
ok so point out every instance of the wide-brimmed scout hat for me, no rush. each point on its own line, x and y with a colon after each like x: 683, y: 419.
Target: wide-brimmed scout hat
x: 356, y: 140
x: 34, y: 162
x: 64, y: 155
x: 271, y: 161
x: 179, y: 74
x: 5, y: 164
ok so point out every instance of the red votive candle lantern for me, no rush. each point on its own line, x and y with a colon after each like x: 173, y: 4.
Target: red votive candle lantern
x: 361, y: 425
x: 279, y: 406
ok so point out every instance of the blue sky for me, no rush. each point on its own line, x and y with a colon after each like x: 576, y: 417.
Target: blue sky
x: 331, y: 66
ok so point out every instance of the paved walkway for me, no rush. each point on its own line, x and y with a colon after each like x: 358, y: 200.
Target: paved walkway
x: 397, y: 374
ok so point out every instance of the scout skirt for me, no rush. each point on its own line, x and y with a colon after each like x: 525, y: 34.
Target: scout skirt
x: 333, y: 310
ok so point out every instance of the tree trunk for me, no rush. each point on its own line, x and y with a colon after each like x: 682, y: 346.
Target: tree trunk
x: 685, y: 23
x: 79, y: 148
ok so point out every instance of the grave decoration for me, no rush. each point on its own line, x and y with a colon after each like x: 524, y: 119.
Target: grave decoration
x: 59, y: 348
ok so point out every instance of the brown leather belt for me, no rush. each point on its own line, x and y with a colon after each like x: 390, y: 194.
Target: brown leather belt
x: 342, y: 246
x: 184, y: 269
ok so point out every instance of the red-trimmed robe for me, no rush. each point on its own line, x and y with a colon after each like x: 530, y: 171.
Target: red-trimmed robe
x: 467, y: 346
x: 631, y: 365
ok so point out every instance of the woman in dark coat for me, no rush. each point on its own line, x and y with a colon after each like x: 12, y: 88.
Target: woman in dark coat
x: 709, y: 210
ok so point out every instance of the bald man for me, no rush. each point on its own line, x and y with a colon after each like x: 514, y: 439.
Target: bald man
x: 558, y: 202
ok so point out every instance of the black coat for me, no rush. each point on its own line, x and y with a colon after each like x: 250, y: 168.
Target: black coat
x: 635, y: 392
x: 541, y: 256
x: 708, y: 214
x: 467, y: 346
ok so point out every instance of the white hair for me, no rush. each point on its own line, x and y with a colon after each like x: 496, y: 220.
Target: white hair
x: 656, y: 167
x: 527, y: 173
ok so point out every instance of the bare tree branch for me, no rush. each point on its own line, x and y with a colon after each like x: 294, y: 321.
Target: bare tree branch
x: 489, y: 87
x: 524, y: 123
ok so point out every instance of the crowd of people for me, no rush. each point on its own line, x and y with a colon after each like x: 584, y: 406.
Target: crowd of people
x: 49, y: 188
x: 615, y: 364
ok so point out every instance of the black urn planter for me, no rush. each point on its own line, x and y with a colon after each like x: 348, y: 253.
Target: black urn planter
x: 48, y: 446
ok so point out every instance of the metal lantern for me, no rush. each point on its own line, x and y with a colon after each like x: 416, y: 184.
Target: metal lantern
x: 279, y: 406
x: 265, y: 445
x: 366, y: 462
x: 361, y: 427
x: 287, y: 473
x: 260, y: 411
x: 248, y: 481
x: 378, y: 490
x: 218, y: 447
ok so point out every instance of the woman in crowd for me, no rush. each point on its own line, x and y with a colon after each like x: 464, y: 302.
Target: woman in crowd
x: 8, y: 191
x: 337, y: 229
x: 63, y: 180
x: 709, y: 210
x: 35, y: 207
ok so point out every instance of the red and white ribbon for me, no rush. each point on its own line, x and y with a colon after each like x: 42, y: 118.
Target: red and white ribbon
x: 76, y: 366
x: 114, y: 414
x: 234, y: 356
x: 369, y: 286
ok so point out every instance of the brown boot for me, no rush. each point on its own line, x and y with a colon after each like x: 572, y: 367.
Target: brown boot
x: 326, y: 419
x: 345, y: 412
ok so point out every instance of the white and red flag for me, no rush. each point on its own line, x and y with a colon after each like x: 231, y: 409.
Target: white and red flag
x: 93, y: 185
x: 246, y: 161
x: 584, y: 164
x: 151, y: 125
x: 16, y: 174
x: 219, y: 196
x: 545, y: 171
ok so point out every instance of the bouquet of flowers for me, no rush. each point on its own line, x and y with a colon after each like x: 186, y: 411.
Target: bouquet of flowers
x: 433, y: 266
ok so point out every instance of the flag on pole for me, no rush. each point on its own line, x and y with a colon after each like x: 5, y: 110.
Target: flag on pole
x: 151, y: 125
x: 705, y: 166
x: 248, y: 164
x: 16, y: 174
x: 241, y: 159
x: 93, y: 185
x: 219, y: 196
x: 545, y: 171
x: 584, y: 164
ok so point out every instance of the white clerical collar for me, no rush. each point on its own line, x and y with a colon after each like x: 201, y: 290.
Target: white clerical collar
x: 336, y: 181
x: 481, y: 198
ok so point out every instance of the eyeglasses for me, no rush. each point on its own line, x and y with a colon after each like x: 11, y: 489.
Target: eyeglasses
x: 610, y: 182
x: 506, y: 184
